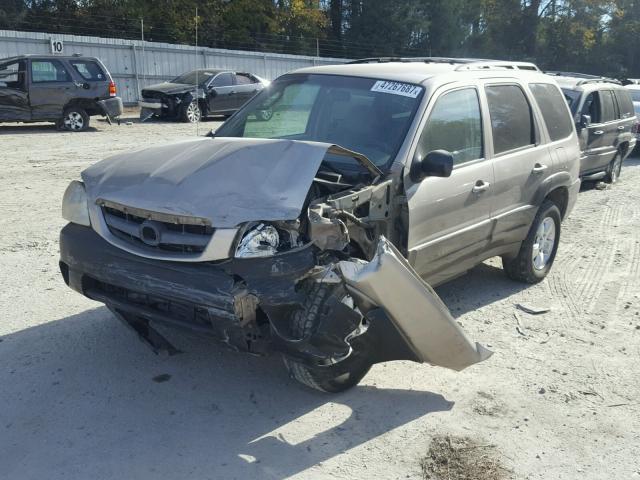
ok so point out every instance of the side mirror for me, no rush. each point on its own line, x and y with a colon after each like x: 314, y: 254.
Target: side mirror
x: 437, y: 163
x: 585, y: 121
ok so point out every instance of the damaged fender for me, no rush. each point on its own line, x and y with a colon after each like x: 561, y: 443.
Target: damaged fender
x: 422, y: 319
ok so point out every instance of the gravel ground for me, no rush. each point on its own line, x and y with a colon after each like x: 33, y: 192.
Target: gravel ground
x: 81, y: 397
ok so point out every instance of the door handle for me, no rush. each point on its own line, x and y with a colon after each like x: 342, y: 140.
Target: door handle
x: 598, y: 132
x: 480, y: 186
x: 620, y: 127
x: 539, y: 168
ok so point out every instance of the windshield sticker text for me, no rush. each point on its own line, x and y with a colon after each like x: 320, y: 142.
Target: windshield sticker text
x: 396, y: 88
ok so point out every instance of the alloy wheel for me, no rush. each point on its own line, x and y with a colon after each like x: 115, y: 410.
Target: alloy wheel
x: 73, y: 121
x: 193, y: 112
x: 543, y: 243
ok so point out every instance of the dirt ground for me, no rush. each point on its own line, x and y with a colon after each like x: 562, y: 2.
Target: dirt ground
x: 81, y: 397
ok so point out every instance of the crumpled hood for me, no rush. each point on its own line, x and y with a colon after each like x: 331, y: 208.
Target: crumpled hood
x: 226, y: 180
x: 170, y: 88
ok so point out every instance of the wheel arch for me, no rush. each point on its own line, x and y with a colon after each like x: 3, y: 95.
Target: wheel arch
x: 556, y: 189
x: 89, y: 105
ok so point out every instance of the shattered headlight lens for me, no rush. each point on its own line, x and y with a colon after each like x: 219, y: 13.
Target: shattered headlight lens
x: 261, y: 240
x: 75, y: 208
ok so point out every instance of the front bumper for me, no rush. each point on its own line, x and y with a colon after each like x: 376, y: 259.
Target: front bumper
x: 245, y: 303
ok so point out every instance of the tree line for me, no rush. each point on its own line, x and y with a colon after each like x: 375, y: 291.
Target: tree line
x: 590, y: 36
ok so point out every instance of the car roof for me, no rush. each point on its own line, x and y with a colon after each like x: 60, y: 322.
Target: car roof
x: 421, y: 69
x: 33, y: 55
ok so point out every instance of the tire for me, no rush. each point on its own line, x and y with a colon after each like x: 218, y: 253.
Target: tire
x: 74, y: 119
x: 265, y: 115
x: 191, y: 113
x: 527, y: 267
x: 334, y: 378
x: 614, y: 169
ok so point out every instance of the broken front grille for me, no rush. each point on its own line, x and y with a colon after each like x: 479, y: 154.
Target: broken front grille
x: 150, y: 94
x: 155, y: 231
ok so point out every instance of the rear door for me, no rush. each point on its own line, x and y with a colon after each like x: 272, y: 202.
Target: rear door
x: 520, y: 159
x: 14, y: 97
x: 246, y: 87
x: 449, y: 218
x: 598, y: 148
x: 50, y: 89
x: 90, y: 78
x: 221, y: 93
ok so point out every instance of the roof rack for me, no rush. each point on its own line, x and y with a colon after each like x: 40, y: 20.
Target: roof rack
x: 463, y: 63
x: 585, y: 78
x: 491, y: 64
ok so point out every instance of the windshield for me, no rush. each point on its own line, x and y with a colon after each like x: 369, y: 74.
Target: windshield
x: 365, y: 115
x: 635, y: 95
x: 203, y: 76
x: 572, y: 97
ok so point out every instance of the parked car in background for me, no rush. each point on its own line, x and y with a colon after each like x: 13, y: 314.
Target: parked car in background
x: 218, y: 92
x: 606, y: 122
x: 634, y: 91
x: 67, y: 90
x: 312, y: 233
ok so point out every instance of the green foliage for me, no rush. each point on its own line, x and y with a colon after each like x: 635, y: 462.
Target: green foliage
x: 593, y: 36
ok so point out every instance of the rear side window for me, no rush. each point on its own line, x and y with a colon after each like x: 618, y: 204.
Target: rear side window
x: 88, y: 70
x: 555, y: 113
x: 625, y: 105
x: 511, y: 120
x: 43, y: 71
x: 455, y: 125
x: 244, y: 79
x: 635, y: 95
x: 608, y: 109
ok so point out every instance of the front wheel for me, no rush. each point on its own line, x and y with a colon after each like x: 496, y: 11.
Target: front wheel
x: 191, y: 113
x: 614, y: 169
x: 333, y: 378
x: 538, y: 251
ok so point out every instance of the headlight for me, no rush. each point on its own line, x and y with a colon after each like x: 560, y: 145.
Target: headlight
x: 259, y: 241
x: 74, y: 204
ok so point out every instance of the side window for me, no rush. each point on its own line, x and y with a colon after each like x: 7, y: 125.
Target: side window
x: 591, y: 107
x: 608, y: 108
x: 290, y: 113
x: 48, y: 71
x: 511, y: 119
x: 625, y: 105
x: 12, y: 75
x: 455, y: 125
x: 243, y: 79
x: 88, y: 70
x: 555, y: 113
x: 223, y: 80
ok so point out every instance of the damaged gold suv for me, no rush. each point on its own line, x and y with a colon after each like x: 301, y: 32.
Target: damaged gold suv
x: 312, y: 221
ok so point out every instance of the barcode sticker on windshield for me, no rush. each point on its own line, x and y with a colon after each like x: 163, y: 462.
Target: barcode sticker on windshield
x: 397, y: 88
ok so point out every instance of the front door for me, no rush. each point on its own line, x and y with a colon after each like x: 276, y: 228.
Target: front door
x: 50, y: 90
x: 14, y: 99
x: 449, y: 218
x: 221, y: 95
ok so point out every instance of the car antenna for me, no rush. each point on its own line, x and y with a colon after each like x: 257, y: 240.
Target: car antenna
x: 197, y: 84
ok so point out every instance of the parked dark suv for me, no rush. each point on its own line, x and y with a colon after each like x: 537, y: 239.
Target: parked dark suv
x: 65, y: 90
x: 606, y: 122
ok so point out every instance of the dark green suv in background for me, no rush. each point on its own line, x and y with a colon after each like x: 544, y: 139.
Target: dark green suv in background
x: 65, y: 90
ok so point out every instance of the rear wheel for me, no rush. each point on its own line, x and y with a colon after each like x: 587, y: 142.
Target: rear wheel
x: 614, y: 169
x: 74, y: 119
x: 334, y: 378
x: 191, y: 112
x: 538, y: 251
